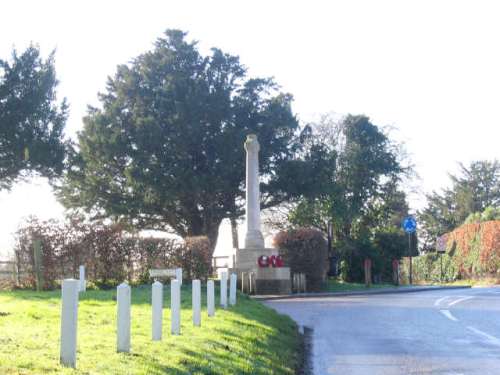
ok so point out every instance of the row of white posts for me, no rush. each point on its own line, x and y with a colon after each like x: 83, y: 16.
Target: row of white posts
x: 69, y: 317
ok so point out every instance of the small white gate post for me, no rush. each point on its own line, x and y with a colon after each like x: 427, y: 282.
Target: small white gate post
x: 178, y: 275
x: 69, y: 320
x: 232, y: 289
x: 175, y: 307
x: 83, y: 283
x: 157, y: 310
x: 210, y: 298
x: 196, y: 302
x: 123, y: 298
x: 223, y: 289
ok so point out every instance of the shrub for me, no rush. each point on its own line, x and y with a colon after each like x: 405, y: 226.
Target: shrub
x: 154, y: 253
x: 472, y: 251
x: 195, y: 257
x: 109, y: 253
x: 305, y: 251
x: 427, y: 267
x: 389, y: 245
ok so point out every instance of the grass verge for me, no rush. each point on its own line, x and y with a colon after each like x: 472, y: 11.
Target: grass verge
x: 335, y: 285
x: 248, y: 338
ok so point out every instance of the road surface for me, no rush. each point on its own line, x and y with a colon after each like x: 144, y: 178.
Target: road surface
x: 445, y: 332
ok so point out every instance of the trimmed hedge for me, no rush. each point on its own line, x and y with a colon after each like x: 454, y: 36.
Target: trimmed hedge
x: 110, y: 253
x: 472, y: 251
x: 305, y: 251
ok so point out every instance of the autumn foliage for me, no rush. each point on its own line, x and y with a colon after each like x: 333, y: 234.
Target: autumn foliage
x: 475, y: 248
x: 471, y: 251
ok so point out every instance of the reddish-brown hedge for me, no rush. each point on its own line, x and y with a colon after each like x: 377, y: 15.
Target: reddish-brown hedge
x: 109, y: 253
x: 477, y: 248
x: 305, y: 250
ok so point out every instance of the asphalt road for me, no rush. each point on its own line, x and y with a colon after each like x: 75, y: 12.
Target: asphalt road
x: 441, y: 332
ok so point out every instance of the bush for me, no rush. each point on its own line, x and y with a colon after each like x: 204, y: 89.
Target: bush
x: 154, y: 253
x: 427, y: 268
x: 195, y: 257
x: 389, y: 245
x: 110, y: 254
x: 472, y: 252
x: 351, y: 253
x: 305, y: 251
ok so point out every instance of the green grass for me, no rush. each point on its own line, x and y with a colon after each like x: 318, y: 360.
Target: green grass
x: 485, y: 281
x: 248, y: 338
x: 335, y: 285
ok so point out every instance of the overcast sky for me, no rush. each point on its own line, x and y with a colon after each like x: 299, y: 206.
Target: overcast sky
x: 431, y: 69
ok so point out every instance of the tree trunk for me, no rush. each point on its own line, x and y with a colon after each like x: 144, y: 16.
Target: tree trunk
x: 212, y: 233
x: 234, y: 232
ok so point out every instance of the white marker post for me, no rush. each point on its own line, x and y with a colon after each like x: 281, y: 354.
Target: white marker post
x: 175, y: 306
x: 83, y: 283
x: 223, y: 289
x: 69, y: 320
x: 157, y: 310
x: 178, y: 275
x: 123, y: 298
x: 196, y: 303
x: 232, y: 289
x: 210, y: 298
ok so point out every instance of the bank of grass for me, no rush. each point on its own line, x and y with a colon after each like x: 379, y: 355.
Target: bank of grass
x: 248, y: 338
x: 487, y: 281
x: 335, y: 285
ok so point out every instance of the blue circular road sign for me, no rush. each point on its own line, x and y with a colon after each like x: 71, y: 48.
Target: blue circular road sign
x: 409, y: 224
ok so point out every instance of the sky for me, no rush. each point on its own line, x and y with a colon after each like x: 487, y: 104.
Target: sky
x: 428, y: 69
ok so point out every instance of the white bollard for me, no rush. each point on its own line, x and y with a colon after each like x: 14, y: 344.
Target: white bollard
x: 69, y: 320
x: 123, y: 298
x: 83, y: 283
x: 178, y: 275
x: 223, y: 289
x: 175, y: 306
x: 210, y: 298
x: 157, y: 310
x: 232, y: 289
x: 196, y: 303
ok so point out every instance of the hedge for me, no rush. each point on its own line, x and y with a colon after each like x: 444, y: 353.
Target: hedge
x: 109, y: 252
x: 472, y: 251
x: 305, y: 251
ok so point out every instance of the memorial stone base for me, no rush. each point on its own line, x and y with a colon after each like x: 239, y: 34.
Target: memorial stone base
x: 267, y: 280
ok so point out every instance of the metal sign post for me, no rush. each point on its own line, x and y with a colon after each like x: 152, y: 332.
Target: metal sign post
x: 410, y: 226
x: 441, y: 244
x: 411, y: 258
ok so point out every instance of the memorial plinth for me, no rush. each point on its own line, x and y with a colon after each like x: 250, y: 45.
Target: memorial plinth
x: 267, y: 280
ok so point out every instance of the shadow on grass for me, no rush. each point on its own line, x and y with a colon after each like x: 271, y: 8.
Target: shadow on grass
x: 248, y: 338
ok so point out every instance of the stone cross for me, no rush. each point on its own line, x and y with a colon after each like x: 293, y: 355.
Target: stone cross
x: 253, y: 237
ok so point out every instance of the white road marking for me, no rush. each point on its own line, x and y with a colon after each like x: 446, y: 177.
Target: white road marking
x: 449, y: 315
x: 492, y: 339
x: 440, y: 300
x: 459, y: 300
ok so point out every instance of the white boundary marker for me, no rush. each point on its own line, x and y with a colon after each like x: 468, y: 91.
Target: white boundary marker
x: 157, y: 310
x: 69, y: 322
x: 196, y: 303
x: 123, y: 298
x: 210, y: 298
x: 175, y: 307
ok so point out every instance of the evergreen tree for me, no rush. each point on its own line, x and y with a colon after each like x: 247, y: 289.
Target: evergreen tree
x: 31, y: 121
